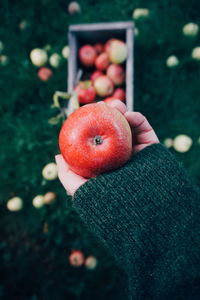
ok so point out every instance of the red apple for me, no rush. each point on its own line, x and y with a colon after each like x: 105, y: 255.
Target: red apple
x: 86, y: 92
x: 119, y: 93
x: 102, y: 61
x: 99, y: 47
x: 103, y: 86
x: 94, y: 139
x: 87, y: 55
x: 116, y: 74
x: 76, y: 258
x: 45, y: 73
x: 95, y: 75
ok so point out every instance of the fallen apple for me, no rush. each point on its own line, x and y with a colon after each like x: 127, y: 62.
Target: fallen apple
x: 119, y: 93
x: 49, y: 198
x: 50, y: 171
x: 95, y: 75
x: 103, y: 86
x: 15, y: 204
x: 118, y: 52
x: 87, y: 55
x: 74, y: 8
x: 91, y: 262
x: 102, y: 61
x: 38, y: 57
x: 44, y: 73
x: 76, y: 258
x: 95, y: 139
x: 116, y: 73
x: 85, y: 92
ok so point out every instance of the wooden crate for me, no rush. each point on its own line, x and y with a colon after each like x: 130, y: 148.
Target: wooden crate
x: 81, y: 34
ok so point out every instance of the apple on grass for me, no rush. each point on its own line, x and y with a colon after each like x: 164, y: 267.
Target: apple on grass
x: 76, y: 258
x: 87, y: 55
x: 44, y: 73
x: 95, y: 139
x: 103, y: 86
x: 116, y: 73
x: 74, y: 8
x: 38, y: 57
x: 85, y: 92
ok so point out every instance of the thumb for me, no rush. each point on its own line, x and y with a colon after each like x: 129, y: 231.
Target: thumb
x: 70, y: 180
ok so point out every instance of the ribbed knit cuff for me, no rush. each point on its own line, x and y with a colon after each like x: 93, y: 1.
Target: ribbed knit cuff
x: 140, y: 212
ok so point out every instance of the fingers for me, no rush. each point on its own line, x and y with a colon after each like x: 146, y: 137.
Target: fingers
x: 138, y: 121
x: 118, y: 105
x: 68, y: 178
x: 141, y: 128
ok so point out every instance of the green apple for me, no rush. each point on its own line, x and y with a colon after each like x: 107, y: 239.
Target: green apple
x: 118, y: 52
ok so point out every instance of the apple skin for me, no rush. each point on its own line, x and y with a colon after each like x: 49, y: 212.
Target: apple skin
x: 76, y: 258
x: 102, y: 61
x: 87, y: 55
x: 95, y: 75
x: 119, y: 93
x: 116, y: 73
x: 103, y: 86
x: 44, y: 73
x: 94, y: 139
x: 86, y: 92
x: 99, y: 47
x: 118, y: 52
x: 74, y: 8
x: 108, y: 44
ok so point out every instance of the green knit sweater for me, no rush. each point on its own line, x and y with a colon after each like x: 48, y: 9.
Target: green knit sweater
x: 147, y: 214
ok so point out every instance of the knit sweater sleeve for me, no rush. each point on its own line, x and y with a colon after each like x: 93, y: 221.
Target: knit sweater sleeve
x: 147, y: 214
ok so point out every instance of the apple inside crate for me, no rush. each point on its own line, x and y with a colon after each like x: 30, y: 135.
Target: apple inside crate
x: 83, y: 34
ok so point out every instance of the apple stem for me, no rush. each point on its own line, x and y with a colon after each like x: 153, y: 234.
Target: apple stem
x: 98, y: 140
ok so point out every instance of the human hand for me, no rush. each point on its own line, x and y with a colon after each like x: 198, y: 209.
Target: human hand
x: 143, y: 136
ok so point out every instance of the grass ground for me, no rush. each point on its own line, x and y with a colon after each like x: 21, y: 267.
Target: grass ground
x: 34, y: 263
